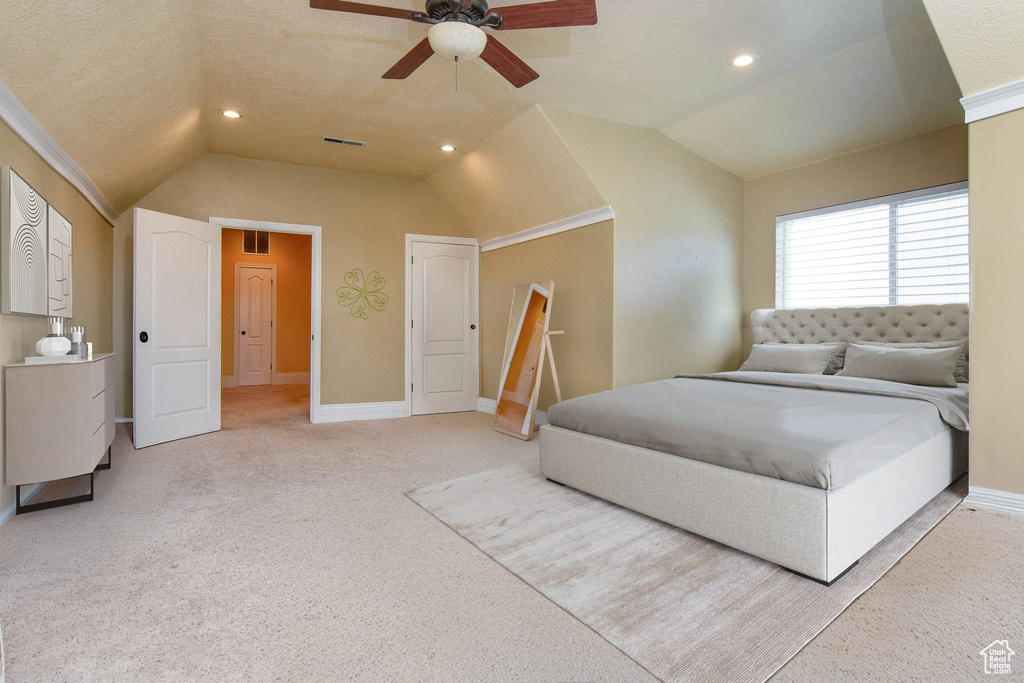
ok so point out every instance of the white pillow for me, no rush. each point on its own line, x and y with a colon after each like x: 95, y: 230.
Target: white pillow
x: 962, y: 370
x: 804, y: 358
x: 933, y: 367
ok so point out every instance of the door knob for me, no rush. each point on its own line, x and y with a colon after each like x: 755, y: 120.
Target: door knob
x: 472, y: 327
x: 143, y: 337
x: 243, y: 332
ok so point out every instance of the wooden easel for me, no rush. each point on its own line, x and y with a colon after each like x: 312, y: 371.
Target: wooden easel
x: 551, y: 355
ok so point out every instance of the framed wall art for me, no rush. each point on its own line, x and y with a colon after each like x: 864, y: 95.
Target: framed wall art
x: 36, y: 241
x: 24, y: 247
x: 59, y: 288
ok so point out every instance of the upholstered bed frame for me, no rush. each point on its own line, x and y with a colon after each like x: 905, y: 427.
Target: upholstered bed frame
x: 816, y: 532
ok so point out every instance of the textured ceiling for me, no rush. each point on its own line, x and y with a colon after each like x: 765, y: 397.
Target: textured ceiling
x: 891, y: 85
x: 983, y: 39
x: 116, y: 83
x: 131, y: 88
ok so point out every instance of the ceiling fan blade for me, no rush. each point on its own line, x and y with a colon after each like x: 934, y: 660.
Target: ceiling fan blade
x: 362, y: 8
x: 413, y: 60
x: 502, y: 60
x: 547, y: 14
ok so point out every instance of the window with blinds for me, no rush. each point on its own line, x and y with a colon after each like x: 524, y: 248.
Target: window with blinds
x: 910, y: 248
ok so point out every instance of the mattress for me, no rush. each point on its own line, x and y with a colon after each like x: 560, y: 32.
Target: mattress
x: 815, y: 430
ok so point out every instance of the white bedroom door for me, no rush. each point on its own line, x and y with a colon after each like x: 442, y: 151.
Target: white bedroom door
x: 176, y: 328
x: 445, y: 343
x: 254, y: 289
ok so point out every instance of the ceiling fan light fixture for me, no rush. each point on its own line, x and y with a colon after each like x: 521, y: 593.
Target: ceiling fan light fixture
x: 457, y: 40
x: 447, y: 148
x: 230, y: 113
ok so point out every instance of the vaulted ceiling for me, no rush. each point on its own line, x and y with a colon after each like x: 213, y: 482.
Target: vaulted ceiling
x: 131, y: 89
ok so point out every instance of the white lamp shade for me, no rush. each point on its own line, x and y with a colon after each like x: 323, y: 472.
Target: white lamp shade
x: 453, y: 39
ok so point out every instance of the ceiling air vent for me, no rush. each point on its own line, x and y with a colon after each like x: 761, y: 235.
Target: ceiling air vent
x: 343, y: 141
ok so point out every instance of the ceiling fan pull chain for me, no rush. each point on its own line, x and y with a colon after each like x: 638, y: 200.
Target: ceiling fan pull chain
x: 456, y: 74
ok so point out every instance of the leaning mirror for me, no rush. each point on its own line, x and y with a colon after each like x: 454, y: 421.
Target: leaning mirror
x: 523, y: 362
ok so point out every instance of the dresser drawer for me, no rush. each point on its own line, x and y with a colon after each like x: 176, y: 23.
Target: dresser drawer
x: 98, y: 410
x: 108, y: 420
x: 101, y: 375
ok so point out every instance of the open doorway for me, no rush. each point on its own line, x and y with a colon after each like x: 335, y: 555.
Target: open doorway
x: 270, y: 309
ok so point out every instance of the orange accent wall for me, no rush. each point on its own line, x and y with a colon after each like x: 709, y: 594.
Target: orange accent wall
x: 293, y: 256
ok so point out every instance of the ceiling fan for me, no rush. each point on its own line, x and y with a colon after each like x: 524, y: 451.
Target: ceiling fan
x: 456, y: 30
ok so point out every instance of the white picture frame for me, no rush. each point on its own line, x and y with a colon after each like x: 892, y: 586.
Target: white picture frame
x: 60, y: 294
x: 23, y: 218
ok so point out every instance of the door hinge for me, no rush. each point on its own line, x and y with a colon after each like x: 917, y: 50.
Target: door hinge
x: 412, y: 260
x: 412, y: 323
x: 412, y: 388
x: 271, y: 323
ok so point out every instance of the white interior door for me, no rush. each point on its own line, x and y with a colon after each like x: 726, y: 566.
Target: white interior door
x: 445, y: 340
x: 254, y: 343
x: 176, y: 328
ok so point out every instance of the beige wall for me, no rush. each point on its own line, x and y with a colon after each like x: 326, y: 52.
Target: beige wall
x: 934, y: 158
x: 982, y: 40
x: 677, y: 247
x: 997, y: 314
x: 523, y: 177
x: 581, y: 264
x: 364, y: 219
x: 292, y: 254
x: 92, y: 265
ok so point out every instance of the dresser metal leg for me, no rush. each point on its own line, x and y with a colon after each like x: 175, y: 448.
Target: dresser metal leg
x: 105, y: 465
x: 46, y: 505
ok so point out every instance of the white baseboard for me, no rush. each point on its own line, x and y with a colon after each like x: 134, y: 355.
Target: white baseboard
x: 991, y: 499
x: 351, y: 412
x: 228, y: 381
x: 8, y: 514
x: 123, y: 420
x: 489, y: 406
x: 290, y: 378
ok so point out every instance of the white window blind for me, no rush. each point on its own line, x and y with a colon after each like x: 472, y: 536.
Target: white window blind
x: 910, y: 248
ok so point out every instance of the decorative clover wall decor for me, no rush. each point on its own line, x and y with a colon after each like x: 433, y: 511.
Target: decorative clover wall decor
x: 363, y: 293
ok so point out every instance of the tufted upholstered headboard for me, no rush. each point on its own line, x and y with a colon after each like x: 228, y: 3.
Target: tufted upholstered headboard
x: 921, y: 323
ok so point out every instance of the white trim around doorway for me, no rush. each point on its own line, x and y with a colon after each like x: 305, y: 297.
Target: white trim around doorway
x: 315, y: 409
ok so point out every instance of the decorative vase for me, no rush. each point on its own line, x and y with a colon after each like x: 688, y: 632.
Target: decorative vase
x: 53, y: 345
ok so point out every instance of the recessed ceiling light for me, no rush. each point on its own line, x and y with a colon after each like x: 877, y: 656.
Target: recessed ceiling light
x: 448, y: 148
x: 231, y: 113
x: 745, y: 59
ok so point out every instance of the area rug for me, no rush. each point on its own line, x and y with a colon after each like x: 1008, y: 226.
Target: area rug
x: 683, y: 607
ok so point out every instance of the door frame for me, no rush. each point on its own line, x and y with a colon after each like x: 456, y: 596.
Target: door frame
x: 410, y: 238
x: 272, y: 267
x: 316, y: 287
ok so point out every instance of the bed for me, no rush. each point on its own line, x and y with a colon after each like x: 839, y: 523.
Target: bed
x: 808, y: 471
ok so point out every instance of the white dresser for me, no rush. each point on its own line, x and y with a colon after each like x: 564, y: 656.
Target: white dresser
x: 60, y: 423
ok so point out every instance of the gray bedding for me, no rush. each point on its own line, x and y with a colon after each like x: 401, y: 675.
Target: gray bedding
x: 815, y: 430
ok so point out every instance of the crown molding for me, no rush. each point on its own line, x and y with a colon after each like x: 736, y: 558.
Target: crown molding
x: 605, y: 213
x: 29, y: 130
x: 999, y: 100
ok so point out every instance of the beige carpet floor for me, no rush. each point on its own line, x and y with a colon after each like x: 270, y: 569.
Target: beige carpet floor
x: 679, y: 605
x: 280, y: 550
